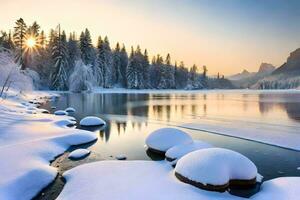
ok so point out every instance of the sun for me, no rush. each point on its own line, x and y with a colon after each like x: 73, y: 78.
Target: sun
x: 31, y: 42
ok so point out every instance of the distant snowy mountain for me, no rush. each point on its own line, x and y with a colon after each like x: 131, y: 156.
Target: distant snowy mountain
x: 247, y: 79
x: 292, y: 65
x: 287, y: 76
x: 244, y: 74
x: 266, y: 68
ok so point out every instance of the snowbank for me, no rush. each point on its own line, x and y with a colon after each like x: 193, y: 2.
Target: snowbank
x: 131, y: 180
x: 27, y: 145
x: 163, y: 139
x: 176, y: 152
x: 92, y: 121
x: 215, y: 169
x: 279, y: 188
x: 79, y: 153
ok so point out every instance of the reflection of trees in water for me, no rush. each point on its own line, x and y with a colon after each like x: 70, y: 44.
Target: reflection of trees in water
x: 291, y: 108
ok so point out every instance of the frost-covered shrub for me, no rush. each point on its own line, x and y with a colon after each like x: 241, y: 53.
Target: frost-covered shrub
x: 82, y: 78
x: 10, y: 74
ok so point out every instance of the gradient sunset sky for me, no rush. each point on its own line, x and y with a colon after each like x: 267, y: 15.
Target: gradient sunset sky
x: 225, y: 35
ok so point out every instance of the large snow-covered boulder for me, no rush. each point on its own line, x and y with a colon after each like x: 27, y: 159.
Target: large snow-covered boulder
x: 70, y: 110
x: 216, y: 169
x: 60, y: 112
x: 79, y: 153
x: 92, y: 121
x: 163, y: 139
x: 279, y: 188
x: 178, y: 151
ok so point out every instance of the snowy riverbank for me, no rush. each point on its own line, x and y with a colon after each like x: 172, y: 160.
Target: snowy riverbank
x: 29, y: 140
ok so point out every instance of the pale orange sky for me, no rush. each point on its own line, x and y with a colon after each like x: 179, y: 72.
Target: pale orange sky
x: 227, y: 36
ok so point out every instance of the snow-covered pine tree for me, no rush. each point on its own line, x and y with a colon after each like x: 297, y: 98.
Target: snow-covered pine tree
x: 117, y: 65
x: 194, y: 81
x: 146, y: 68
x: 181, y: 76
x: 131, y: 72
x: 19, y: 37
x: 123, y: 65
x: 105, y: 63
x: 167, y: 80
x: 60, y: 57
x: 6, y: 41
x: 204, y: 77
x: 136, y: 70
x: 155, y: 71
x: 86, y: 47
x: 73, y: 51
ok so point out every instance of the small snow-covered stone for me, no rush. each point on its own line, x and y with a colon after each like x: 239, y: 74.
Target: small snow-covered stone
x: 92, y: 121
x: 215, y: 169
x: 79, y: 153
x: 60, y: 112
x: 65, y: 122
x: 121, y: 157
x: 176, y: 152
x: 278, y: 189
x: 70, y: 109
x: 163, y: 139
x: 44, y: 111
x: 53, y: 107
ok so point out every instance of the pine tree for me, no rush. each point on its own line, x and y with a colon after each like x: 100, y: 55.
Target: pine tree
x: 73, y: 52
x: 117, y: 65
x: 34, y: 30
x: 181, y: 76
x: 167, y: 74
x: 105, y: 63
x: 6, y: 41
x: 86, y: 47
x: 123, y: 65
x: 135, y: 70
x: 19, y: 41
x: 41, y: 40
x: 60, y: 57
x: 145, y: 69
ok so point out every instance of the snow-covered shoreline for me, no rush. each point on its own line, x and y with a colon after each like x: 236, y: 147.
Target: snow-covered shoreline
x: 29, y: 141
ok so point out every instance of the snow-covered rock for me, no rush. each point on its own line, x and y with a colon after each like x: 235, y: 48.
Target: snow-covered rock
x: 131, y: 180
x: 163, y: 139
x: 60, y: 112
x: 92, y: 121
x: 79, y: 153
x: 43, y: 111
x: 70, y: 109
x: 178, y: 151
x: 121, y: 157
x: 216, y: 169
x: 53, y: 107
x: 279, y: 189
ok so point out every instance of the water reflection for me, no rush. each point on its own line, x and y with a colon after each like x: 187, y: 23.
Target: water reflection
x: 182, y: 108
x: 131, y: 117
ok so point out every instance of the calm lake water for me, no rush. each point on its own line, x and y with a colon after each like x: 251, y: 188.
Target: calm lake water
x: 131, y: 117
